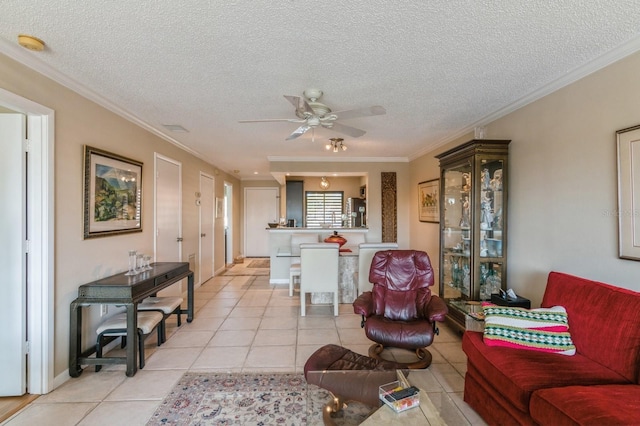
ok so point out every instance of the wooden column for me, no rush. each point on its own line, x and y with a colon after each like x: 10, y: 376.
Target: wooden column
x: 389, y: 208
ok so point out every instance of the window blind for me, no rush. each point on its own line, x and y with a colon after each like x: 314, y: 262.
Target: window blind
x: 323, y: 208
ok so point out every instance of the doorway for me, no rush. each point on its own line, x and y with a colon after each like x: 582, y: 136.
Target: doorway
x: 37, y: 276
x: 168, y: 215
x: 207, y: 185
x: 228, y: 223
x: 261, y: 206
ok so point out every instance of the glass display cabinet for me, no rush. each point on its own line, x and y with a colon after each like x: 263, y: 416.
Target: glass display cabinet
x: 473, y: 226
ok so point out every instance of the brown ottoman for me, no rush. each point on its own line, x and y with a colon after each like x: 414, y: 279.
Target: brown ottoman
x: 348, y: 376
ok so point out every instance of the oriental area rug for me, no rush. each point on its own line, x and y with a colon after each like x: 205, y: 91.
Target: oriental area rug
x: 249, y: 399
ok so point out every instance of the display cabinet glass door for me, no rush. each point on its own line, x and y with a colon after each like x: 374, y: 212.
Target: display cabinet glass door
x: 491, y: 220
x: 457, y: 197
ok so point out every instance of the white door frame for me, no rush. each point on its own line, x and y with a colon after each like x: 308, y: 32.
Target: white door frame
x: 40, y: 218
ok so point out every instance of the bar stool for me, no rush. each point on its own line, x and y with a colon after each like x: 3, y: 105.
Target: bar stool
x: 165, y: 305
x: 116, y: 326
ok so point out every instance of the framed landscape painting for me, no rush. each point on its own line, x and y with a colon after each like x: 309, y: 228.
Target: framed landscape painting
x: 628, y: 212
x: 112, y: 194
x: 428, y: 201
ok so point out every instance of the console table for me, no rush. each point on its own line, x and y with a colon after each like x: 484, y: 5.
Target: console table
x: 127, y: 291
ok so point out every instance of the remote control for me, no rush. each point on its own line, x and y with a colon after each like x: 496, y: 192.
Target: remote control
x: 402, y: 393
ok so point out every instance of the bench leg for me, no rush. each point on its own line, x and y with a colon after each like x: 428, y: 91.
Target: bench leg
x: 99, y: 351
x: 141, y: 338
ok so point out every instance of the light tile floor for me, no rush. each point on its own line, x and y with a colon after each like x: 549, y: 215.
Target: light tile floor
x: 241, y: 324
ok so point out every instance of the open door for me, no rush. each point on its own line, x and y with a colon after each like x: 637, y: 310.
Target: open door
x: 228, y: 223
x: 13, y: 262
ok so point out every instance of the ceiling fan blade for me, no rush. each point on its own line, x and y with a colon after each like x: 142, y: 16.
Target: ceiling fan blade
x: 290, y: 120
x: 300, y: 104
x: 360, y: 112
x: 298, y: 132
x: 347, y: 130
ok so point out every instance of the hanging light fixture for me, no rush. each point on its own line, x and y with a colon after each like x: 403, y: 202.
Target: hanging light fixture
x: 324, y: 183
x: 335, y: 145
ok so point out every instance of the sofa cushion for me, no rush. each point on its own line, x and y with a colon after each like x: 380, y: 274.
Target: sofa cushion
x: 517, y: 373
x: 544, y: 329
x: 600, y: 314
x: 587, y: 405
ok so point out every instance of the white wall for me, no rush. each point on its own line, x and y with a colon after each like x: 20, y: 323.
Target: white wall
x: 563, y: 181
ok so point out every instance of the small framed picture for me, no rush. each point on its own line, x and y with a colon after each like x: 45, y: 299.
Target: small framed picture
x: 219, y: 208
x: 428, y: 201
x: 112, y: 194
x: 628, y: 212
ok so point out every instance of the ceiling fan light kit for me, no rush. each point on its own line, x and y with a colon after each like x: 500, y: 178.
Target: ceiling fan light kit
x: 335, y: 145
x: 312, y: 114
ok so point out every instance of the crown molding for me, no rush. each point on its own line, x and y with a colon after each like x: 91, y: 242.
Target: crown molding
x: 622, y: 51
x: 339, y: 159
x: 28, y: 59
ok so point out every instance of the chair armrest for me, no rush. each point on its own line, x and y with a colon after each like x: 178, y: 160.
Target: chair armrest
x: 436, y: 309
x: 363, y: 305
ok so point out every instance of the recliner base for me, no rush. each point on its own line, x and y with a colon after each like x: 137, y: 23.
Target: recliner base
x: 424, y: 357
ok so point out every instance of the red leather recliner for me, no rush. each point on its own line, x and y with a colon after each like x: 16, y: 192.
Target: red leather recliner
x: 400, y: 311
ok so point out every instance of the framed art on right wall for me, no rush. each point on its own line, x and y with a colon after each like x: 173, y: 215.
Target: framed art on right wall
x: 428, y: 199
x: 628, y: 212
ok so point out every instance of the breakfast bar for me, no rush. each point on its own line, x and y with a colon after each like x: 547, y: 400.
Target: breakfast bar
x: 282, y: 252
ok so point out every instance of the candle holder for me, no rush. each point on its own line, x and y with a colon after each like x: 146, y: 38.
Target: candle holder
x: 147, y: 263
x: 139, y: 263
x: 132, y: 263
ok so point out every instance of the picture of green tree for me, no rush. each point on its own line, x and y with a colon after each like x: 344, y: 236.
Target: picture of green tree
x: 115, y: 194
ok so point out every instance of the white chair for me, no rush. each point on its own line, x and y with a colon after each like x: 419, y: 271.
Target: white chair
x: 319, y: 271
x: 294, y: 269
x: 365, y: 256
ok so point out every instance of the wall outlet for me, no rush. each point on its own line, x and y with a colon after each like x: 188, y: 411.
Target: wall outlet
x: 103, y: 310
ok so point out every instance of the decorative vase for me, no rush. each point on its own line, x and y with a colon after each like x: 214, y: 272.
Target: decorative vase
x: 335, y: 238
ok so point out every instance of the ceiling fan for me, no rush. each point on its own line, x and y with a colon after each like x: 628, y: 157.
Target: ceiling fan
x: 312, y: 114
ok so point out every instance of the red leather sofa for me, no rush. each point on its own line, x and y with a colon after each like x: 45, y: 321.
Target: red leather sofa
x: 599, y: 385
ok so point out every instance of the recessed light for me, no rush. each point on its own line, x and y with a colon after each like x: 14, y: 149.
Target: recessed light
x: 255, y: 173
x: 175, y: 128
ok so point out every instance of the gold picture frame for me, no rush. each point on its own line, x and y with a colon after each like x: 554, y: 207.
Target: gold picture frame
x: 219, y: 208
x: 429, y: 201
x: 628, y: 213
x: 112, y: 194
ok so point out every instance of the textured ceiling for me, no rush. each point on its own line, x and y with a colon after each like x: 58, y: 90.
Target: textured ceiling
x: 439, y: 67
